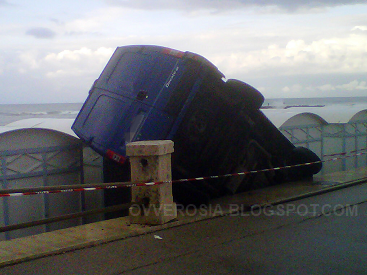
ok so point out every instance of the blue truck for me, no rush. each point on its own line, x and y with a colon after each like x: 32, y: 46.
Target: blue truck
x: 156, y: 93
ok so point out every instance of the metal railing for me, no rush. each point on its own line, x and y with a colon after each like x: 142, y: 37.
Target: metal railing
x: 327, y: 140
x: 109, y: 209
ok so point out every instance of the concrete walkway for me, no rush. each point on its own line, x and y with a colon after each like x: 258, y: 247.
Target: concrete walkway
x: 308, y: 233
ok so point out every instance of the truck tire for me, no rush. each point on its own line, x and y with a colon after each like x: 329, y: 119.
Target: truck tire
x: 302, y: 155
x: 244, y: 93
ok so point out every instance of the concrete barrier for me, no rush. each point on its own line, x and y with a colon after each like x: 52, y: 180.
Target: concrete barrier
x: 151, y: 162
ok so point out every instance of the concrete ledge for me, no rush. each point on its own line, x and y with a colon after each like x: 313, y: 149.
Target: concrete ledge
x: 149, y: 148
x: 32, y: 247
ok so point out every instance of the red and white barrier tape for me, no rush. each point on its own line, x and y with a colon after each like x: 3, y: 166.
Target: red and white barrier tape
x: 345, y: 153
x: 18, y: 194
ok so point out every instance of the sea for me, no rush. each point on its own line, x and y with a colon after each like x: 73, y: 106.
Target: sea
x: 13, y: 112
x: 312, y: 102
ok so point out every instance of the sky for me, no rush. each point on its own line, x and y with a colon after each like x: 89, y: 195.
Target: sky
x: 52, y: 51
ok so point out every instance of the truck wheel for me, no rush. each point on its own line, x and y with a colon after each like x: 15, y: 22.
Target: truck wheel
x: 302, y: 155
x: 245, y: 93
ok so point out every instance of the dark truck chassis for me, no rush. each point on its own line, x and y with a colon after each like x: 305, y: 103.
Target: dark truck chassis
x: 225, y: 132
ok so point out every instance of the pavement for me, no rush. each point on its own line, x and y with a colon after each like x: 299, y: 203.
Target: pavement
x: 312, y: 227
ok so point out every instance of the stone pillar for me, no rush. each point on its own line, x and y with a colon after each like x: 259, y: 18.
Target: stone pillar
x: 151, y: 162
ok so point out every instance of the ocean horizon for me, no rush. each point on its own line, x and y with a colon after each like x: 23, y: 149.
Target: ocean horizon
x: 13, y: 112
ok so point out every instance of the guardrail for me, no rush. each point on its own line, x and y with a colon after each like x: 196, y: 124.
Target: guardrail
x: 66, y: 217
x: 150, y: 167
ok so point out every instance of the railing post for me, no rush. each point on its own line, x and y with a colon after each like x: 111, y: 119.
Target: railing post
x: 151, y: 162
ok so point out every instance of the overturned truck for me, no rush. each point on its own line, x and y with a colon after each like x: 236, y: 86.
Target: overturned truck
x: 157, y: 93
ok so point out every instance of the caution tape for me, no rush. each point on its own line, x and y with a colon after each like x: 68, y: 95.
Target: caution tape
x: 345, y: 153
x: 264, y: 170
x: 120, y: 185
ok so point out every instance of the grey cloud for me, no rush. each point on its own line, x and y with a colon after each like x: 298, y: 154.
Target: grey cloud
x: 56, y: 21
x: 220, y: 5
x: 5, y: 3
x: 42, y: 33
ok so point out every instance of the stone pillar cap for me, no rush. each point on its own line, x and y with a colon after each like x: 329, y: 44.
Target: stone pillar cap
x: 149, y: 148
